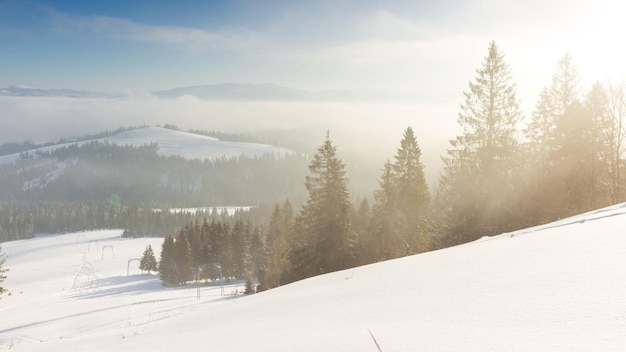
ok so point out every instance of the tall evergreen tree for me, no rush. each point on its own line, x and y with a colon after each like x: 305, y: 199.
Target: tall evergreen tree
x: 411, y: 193
x: 148, y: 261
x: 324, y: 235
x: 617, y: 134
x: 480, y: 166
x: 565, y: 87
x: 548, y: 163
x: 239, y: 248
x: 168, y: 271
x: 401, y: 225
x: 183, y: 259
x: 279, y: 229
x: 599, y: 150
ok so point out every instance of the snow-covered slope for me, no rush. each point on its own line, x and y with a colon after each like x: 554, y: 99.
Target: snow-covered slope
x: 185, y: 144
x: 170, y: 143
x: 192, y: 146
x: 557, y: 287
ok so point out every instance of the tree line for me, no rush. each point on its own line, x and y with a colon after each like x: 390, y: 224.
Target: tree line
x: 210, y: 250
x: 326, y: 235
x: 93, y: 171
x: 22, y: 221
x: 498, y: 177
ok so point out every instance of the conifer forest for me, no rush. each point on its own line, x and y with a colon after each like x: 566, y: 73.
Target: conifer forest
x: 508, y: 169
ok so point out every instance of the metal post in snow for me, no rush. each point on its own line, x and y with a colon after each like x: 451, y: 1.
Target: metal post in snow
x: 198, y: 282
x: 221, y: 280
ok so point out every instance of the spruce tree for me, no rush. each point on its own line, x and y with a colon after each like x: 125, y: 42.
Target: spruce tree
x: 324, y: 235
x: 167, y: 266
x: 279, y: 229
x: 148, y: 261
x: 599, y: 150
x: 617, y: 135
x: 481, y: 163
x: 548, y: 131
x: 401, y: 225
x: 411, y: 193
x: 183, y: 260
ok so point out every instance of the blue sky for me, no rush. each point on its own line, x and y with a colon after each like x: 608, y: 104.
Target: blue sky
x: 418, y: 46
x: 426, y: 48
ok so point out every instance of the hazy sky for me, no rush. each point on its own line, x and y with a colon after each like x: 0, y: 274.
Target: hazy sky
x: 429, y: 49
x: 419, y: 46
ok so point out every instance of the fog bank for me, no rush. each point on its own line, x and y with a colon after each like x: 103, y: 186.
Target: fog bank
x: 371, y: 130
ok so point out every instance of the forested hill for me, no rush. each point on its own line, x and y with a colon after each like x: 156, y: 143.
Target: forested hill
x: 153, y: 166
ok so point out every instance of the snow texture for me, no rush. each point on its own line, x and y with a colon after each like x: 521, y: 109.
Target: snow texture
x: 556, y: 287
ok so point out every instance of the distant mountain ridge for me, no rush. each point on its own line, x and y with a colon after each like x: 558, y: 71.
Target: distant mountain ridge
x: 270, y: 91
x: 25, y: 91
x: 223, y: 92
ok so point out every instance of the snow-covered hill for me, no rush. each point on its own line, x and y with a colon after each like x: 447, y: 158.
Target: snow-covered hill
x: 557, y: 287
x: 171, y: 142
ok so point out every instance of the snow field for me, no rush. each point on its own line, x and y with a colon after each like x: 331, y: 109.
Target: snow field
x: 69, y: 285
x: 556, y: 287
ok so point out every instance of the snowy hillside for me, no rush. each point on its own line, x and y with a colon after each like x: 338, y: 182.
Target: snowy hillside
x: 170, y: 143
x: 188, y: 145
x: 558, y: 287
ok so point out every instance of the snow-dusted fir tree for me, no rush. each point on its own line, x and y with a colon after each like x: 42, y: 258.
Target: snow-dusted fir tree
x: 480, y: 165
x: 148, y: 261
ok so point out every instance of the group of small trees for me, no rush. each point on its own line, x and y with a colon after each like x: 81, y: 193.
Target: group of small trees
x: 328, y: 234
x: 499, y: 177
x: 211, y: 249
x: 322, y: 237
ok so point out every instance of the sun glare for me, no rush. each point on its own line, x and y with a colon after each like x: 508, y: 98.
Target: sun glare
x: 597, y: 48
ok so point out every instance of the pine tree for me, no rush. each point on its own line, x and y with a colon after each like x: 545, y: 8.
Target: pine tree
x: 239, y: 249
x: 547, y: 156
x: 616, y: 134
x: 325, y: 238
x: 167, y: 266
x: 401, y: 225
x: 148, y: 261
x: 3, y: 270
x: 600, y: 135
x: 279, y: 229
x: 385, y: 241
x: 411, y: 193
x: 183, y: 260
x: 480, y: 166
x: 565, y: 88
